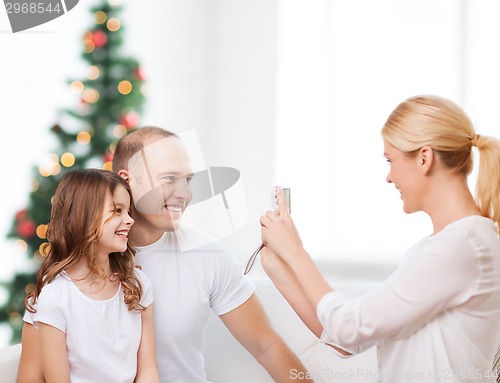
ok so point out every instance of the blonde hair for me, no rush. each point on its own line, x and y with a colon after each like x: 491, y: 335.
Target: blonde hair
x: 442, y: 125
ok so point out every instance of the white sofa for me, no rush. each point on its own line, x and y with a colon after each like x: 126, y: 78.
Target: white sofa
x: 9, y: 359
x: 228, y: 362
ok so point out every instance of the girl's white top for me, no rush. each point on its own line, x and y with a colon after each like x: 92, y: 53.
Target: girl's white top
x: 437, y: 317
x: 102, y: 337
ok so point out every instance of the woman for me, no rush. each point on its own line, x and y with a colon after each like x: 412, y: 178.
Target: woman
x: 437, y: 317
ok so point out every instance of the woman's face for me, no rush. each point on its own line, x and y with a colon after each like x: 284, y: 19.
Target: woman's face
x: 405, y: 173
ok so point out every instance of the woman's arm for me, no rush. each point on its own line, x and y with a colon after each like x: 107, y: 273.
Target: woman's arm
x: 146, y: 356
x: 435, y: 276
x: 30, y: 363
x: 287, y: 284
x: 54, y: 355
x: 281, y: 236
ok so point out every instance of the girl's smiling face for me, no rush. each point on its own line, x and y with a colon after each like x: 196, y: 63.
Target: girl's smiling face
x: 116, y: 222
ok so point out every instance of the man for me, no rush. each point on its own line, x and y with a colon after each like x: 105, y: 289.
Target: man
x: 189, y: 280
x: 191, y: 273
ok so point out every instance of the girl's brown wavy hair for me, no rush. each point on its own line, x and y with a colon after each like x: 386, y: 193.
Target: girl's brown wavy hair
x: 74, y: 229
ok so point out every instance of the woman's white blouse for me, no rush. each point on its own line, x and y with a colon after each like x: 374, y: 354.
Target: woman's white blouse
x: 437, y: 317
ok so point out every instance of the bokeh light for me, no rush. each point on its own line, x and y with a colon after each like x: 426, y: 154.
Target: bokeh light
x: 113, y: 24
x: 125, y: 87
x: 35, y: 185
x: 100, y: 17
x: 119, y: 131
x: 21, y: 246
x: 68, y: 159
x: 50, y: 166
x: 93, y: 72
x: 91, y: 96
x: 83, y: 138
x: 77, y: 87
x: 41, y: 231
x: 44, y: 249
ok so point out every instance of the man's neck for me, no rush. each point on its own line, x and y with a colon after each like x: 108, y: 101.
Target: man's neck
x: 143, y: 235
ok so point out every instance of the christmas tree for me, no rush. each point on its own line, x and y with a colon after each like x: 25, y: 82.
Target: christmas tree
x: 111, y: 97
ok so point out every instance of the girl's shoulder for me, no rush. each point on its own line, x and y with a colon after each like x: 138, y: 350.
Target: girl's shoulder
x: 147, y: 292
x: 55, y: 292
x: 140, y: 274
x: 58, y: 282
x: 142, y: 277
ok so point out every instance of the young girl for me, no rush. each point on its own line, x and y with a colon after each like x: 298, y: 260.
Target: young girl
x: 437, y: 317
x: 92, y: 307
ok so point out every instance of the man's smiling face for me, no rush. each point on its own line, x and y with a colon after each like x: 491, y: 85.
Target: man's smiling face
x: 159, y: 179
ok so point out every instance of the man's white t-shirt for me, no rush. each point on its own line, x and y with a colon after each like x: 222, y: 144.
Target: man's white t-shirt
x: 102, y: 337
x: 437, y: 317
x: 187, y: 285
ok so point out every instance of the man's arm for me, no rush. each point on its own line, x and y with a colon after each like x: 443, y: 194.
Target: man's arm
x: 30, y: 364
x: 250, y: 326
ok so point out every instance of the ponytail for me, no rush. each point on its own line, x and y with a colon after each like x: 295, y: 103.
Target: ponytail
x: 488, y: 180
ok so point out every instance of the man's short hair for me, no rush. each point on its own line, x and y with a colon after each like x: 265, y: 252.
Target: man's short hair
x: 133, y: 143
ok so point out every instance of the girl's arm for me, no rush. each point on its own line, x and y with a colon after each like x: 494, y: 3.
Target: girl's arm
x: 30, y: 363
x: 54, y: 356
x: 146, y: 356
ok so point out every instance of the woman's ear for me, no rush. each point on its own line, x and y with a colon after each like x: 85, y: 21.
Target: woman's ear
x: 425, y: 159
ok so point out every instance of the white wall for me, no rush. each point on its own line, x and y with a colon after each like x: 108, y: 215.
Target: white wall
x: 210, y: 66
x: 343, y: 66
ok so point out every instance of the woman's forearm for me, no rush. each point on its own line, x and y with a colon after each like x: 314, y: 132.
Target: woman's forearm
x: 288, y: 285
x: 312, y: 282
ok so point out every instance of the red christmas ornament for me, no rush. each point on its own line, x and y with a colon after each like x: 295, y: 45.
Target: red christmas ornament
x: 108, y: 157
x: 99, y: 38
x: 139, y: 74
x: 26, y: 228
x: 129, y: 120
x: 21, y: 215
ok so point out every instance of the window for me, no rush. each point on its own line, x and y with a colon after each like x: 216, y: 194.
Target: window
x: 343, y: 66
